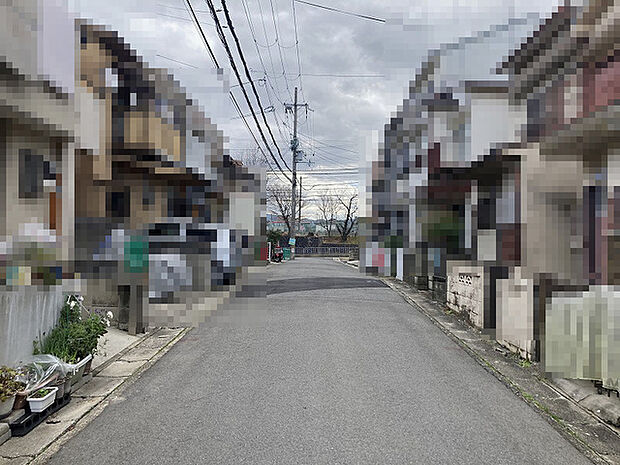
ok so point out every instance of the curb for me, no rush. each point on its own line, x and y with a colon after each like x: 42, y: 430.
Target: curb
x: 83, y: 420
x: 122, y: 353
x: 346, y: 263
x: 558, y: 423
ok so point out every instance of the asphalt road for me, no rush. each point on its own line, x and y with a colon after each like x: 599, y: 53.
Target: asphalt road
x: 339, y: 370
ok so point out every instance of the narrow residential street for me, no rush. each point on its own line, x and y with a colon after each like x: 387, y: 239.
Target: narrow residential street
x: 339, y: 369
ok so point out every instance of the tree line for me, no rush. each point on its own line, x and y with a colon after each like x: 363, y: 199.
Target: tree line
x: 337, y: 211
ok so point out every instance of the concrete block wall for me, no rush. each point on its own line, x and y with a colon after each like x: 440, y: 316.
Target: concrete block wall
x: 465, y: 290
x: 25, y: 314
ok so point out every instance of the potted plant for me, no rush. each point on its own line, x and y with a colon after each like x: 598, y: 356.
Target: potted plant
x: 96, y: 326
x: 42, y: 399
x: 74, y: 339
x: 9, y: 387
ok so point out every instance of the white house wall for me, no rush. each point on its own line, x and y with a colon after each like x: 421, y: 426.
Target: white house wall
x: 514, y: 316
x: 493, y: 121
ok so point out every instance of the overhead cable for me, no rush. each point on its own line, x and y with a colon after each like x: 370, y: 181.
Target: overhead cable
x: 231, y: 95
x: 301, y: 87
x: 245, y: 67
x: 372, y: 18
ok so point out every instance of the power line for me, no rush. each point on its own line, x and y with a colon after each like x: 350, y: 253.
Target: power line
x: 276, y: 24
x: 328, y: 172
x: 177, y: 61
x: 328, y: 145
x: 179, y: 17
x: 273, y: 68
x: 301, y: 87
x: 245, y: 67
x: 202, y: 34
x: 251, y: 25
x: 179, y: 8
x: 372, y: 18
x: 231, y: 95
x: 314, y: 149
x: 175, y: 17
x: 266, y: 78
x: 346, y: 75
x: 234, y: 67
x: 234, y: 100
x: 280, y: 46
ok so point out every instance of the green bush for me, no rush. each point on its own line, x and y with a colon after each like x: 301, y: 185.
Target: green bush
x: 274, y: 237
x: 70, y: 312
x: 74, y: 337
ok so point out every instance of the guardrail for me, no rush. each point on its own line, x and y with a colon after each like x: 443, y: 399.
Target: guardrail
x: 324, y: 251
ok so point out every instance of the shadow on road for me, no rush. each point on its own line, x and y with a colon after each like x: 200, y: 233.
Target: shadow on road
x: 280, y: 286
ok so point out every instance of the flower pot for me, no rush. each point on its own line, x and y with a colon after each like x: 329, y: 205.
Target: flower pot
x: 20, y: 400
x: 6, y: 406
x: 41, y: 403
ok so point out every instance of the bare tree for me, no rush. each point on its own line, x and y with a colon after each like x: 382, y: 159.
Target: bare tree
x: 251, y: 158
x: 279, y: 202
x: 328, y: 206
x: 348, y: 205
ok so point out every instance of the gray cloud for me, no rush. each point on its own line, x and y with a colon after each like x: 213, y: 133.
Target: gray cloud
x: 345, y: 109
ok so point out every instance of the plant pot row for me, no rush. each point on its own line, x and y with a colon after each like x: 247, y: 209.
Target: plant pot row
x: 59, y: 388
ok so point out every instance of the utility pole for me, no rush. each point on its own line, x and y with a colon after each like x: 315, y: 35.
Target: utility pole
x: 294, y: 149
x: 300, y: 203
x: 294, y: 146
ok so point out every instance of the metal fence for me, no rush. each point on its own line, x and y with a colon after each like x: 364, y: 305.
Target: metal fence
x: 325, y: 251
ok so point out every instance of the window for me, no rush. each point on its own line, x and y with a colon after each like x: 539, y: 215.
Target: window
x: 118, y: 204
x: 31, y: 174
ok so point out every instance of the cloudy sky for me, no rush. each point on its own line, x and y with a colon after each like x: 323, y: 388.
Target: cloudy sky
x: 351, y: 71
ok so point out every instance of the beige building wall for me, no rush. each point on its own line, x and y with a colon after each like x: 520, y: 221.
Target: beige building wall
x: 146, y: 130
x: 551, y: 214
x: 91, y: 65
